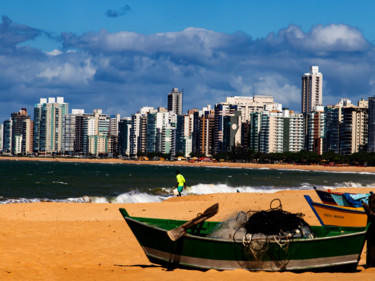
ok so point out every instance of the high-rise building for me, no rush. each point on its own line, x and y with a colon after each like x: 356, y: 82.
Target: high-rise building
x: 175, y: 101
x: 371, y: 124
x: 247, y: 105
x: 294, y: 131
x: 332, y: 129
x: 1, y: 137
x: 354, y: 128
x: 71, y: 131
x: 98, y: 145
x: 194, y: 127
x: 221, y: 110
x: 21, y: 133
x: 315, y: 123
x: 254, y: 129
x: 271, y: 134
x: 312, y: 90
x: 232, y: 131
x: 333, y: 120
x: 207, y: 125
x: 138, y: 131
x: 124, y: 136
x: 347, y: 127
x: 152, y: 132
x: 7, y: 136
x: 48, y: 125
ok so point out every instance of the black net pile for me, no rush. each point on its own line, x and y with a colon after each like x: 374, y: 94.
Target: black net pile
x: 275, y: 221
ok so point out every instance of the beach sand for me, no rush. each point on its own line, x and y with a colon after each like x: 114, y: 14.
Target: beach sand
x: 91, y: 241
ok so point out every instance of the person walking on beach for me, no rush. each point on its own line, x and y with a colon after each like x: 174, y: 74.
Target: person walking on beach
x: 370, y: 235
x: 180, y: 182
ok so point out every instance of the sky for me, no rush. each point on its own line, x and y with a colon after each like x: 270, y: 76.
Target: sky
x: 122, y: 55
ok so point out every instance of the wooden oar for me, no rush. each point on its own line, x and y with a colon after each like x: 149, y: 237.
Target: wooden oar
x: 178, y: 232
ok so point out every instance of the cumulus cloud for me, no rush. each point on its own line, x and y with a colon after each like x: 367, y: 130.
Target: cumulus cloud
x: 68, y: 73
x: 118, y: 12
x: 124, y: 70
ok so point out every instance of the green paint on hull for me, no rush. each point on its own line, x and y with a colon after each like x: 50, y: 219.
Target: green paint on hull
x: 198, y: 251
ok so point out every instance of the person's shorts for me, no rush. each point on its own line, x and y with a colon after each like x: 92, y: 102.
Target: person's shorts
x: 180, y: 188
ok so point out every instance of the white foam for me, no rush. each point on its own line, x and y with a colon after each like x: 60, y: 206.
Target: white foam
x: 223, y: 188
x: 349, y: 184
x: 129, y: 197
x: 144, y: 197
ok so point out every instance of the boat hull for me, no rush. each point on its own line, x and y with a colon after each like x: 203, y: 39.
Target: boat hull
x: 325, y: 196
x: 204, y: 253
x: 338, y: 215
x: 341, y: 199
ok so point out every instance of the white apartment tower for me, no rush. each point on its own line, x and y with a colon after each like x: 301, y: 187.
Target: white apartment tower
x: 175, y: 101
x: 312, y: 90
x: 271, y: 134
x: 48, y: 124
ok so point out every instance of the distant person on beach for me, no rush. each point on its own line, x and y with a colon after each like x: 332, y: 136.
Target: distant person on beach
x: 370, y: 236
x: 180, y: 182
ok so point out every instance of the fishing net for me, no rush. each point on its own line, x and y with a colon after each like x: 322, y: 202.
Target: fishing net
x: 276, y: 221
x: 273, y: 226
x: 265, y: 235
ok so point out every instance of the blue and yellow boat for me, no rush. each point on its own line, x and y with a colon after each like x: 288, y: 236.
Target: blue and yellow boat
x: 338, y: 215
x: 341, y: 198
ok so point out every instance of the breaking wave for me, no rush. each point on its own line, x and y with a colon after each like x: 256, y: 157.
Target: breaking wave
x: 165, y: 193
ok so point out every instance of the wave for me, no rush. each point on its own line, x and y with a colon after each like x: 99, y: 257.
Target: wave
x: 348, y: 184
x: 165, y: 193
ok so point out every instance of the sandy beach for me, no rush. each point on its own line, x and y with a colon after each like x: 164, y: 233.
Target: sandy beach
x: 87, y: 241
x: 91, y: 241
x: 356, y: 169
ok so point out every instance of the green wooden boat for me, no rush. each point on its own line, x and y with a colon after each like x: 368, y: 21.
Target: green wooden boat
x: 333, y: 248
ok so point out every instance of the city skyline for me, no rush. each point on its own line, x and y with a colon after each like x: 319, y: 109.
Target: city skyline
x: 257, y: 123
x: 121, y: 56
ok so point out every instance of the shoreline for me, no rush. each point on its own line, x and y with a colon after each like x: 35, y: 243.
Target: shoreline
x: 91, y: 241
x: 348, y: 169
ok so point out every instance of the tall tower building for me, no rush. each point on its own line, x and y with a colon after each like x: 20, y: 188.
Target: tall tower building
x: 315, y: 123
x: 271, y: 134
x: 175, y: 101
x: 124, y: 136
x: 312, y: 90
x: 1, y: 136
x: 71, y: 130
x: 371, y: 124
x: 354, y: 128
x: 48, y: 124
x: 21, y: 132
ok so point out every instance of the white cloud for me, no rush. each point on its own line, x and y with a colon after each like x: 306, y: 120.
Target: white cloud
x: 54, y: 52
x: 69, y: 73
x: 134, y: 69
x: 338, y: 37
x: 278, y: 87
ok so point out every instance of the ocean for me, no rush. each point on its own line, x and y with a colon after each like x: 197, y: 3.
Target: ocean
x: 37, y: 181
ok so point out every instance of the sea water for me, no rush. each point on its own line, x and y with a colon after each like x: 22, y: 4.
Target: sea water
x: 35, y: 181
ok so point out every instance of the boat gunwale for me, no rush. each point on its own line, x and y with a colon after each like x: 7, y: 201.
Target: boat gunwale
x: 337, y: 207
x: 271, y: 240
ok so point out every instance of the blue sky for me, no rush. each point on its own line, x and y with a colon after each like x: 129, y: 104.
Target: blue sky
x: 122, y: 55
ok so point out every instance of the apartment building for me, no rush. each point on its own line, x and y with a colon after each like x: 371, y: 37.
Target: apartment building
x: 48, y: 125
x: 312, y: 90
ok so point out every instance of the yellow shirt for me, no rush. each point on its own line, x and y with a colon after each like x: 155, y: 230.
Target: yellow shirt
x: 180, y: 179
